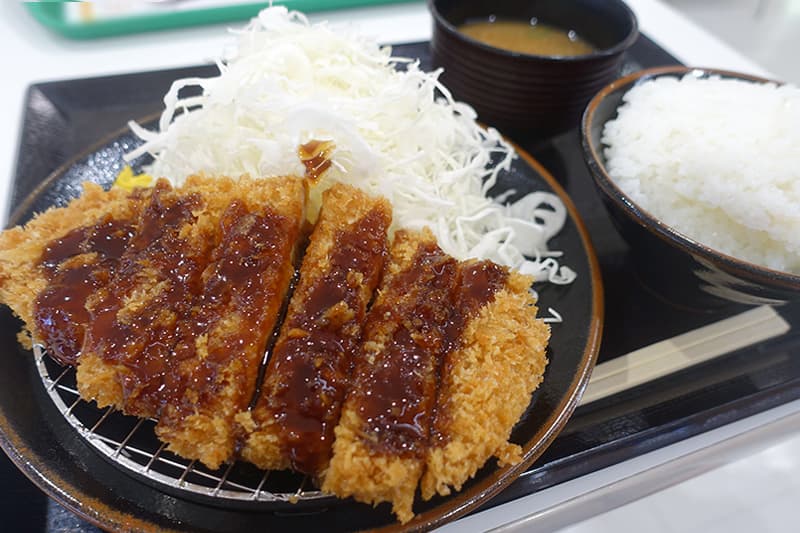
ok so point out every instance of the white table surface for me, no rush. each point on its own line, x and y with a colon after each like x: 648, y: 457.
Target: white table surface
x: 33, y: 54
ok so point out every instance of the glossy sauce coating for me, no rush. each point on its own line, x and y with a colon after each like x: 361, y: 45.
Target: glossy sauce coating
x: 396, y: 394
x: 59, y: 309
x: 310, y: 364
x: 477, y: 284
x: 241, y: 281
x: 161, y: 263
x: 315, y: 156
x: 396, y: 386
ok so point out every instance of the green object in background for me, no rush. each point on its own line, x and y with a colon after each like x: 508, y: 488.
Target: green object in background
x: 51, y: 15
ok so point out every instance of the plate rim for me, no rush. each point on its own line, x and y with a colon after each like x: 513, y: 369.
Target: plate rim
x: 460, y: 503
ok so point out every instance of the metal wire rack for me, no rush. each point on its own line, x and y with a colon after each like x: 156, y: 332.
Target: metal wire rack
x: 131, y: 444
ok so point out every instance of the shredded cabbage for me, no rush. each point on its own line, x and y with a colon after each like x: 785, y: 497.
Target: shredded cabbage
x: 397, y: 133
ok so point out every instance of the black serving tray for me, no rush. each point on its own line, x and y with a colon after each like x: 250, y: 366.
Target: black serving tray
x: 65, y: 117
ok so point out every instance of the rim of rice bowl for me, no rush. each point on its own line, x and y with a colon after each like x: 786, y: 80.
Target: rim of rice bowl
x: 643, y: 216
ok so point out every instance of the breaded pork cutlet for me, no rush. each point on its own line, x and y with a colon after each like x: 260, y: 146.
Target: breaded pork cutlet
x: 451, y: 354
x: 223, y: 342
x: 382, y: 436
x: 299, y: 405
x: 51, y: 265
x: 487, y: 378
x: 134, y: 319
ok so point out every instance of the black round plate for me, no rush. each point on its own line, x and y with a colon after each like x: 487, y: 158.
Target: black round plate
x: 52, y: 454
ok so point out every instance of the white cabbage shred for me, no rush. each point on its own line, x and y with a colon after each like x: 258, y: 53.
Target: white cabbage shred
x: 287, y: 82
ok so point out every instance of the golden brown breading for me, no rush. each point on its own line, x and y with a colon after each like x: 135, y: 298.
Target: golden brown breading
x: 186, y: 288
x: 24, y: 277
x: 486, y: 386
x: 292, y: 424
x: 223, y: 341
x: 381, y: 439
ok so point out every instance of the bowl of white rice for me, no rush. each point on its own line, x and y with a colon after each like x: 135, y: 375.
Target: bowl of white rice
x: 700, y: 171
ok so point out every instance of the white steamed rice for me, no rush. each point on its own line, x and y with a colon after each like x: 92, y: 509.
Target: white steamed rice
x: 716, y: 159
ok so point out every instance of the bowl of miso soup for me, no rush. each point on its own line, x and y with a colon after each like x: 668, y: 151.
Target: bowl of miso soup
x: 530, y: 67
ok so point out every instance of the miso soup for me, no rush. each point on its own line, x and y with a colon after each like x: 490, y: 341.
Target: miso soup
x: 527, y: 37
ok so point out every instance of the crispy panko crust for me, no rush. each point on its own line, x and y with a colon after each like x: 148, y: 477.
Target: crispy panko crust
x: 369, y: 477
x: 492, y: 375
x: 350, y: 224
x: 184, y: 345
x: 219, y: 379
x: 22, y: 277
x: 360, y: 467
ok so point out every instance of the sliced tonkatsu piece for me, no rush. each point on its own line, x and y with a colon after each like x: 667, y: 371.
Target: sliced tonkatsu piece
x: 222, y: 342
x: 134, y: 318
x: 299, y: 405
x: 487, y: 378
x: 383, y: 433
x: 51, y: 265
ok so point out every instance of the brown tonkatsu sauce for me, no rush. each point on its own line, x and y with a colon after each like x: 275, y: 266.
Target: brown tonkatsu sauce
x: 479, y: 282
x: 397, y: 392
x: 76, y: 265
x: 477, y: 285
x: 240, y: 281
x: 396, y: 387
x: 312, y: 362
x: 315, y: 156
x: 160, y: 262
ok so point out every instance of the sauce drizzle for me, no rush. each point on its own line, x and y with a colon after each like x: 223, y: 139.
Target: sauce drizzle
x: 478, y: 283
x: 316, y: 157
x: 395, y: 386
x: 134, y: 319
x: 236, y: 310
x: 311, y: 362
x: 76, y: 265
